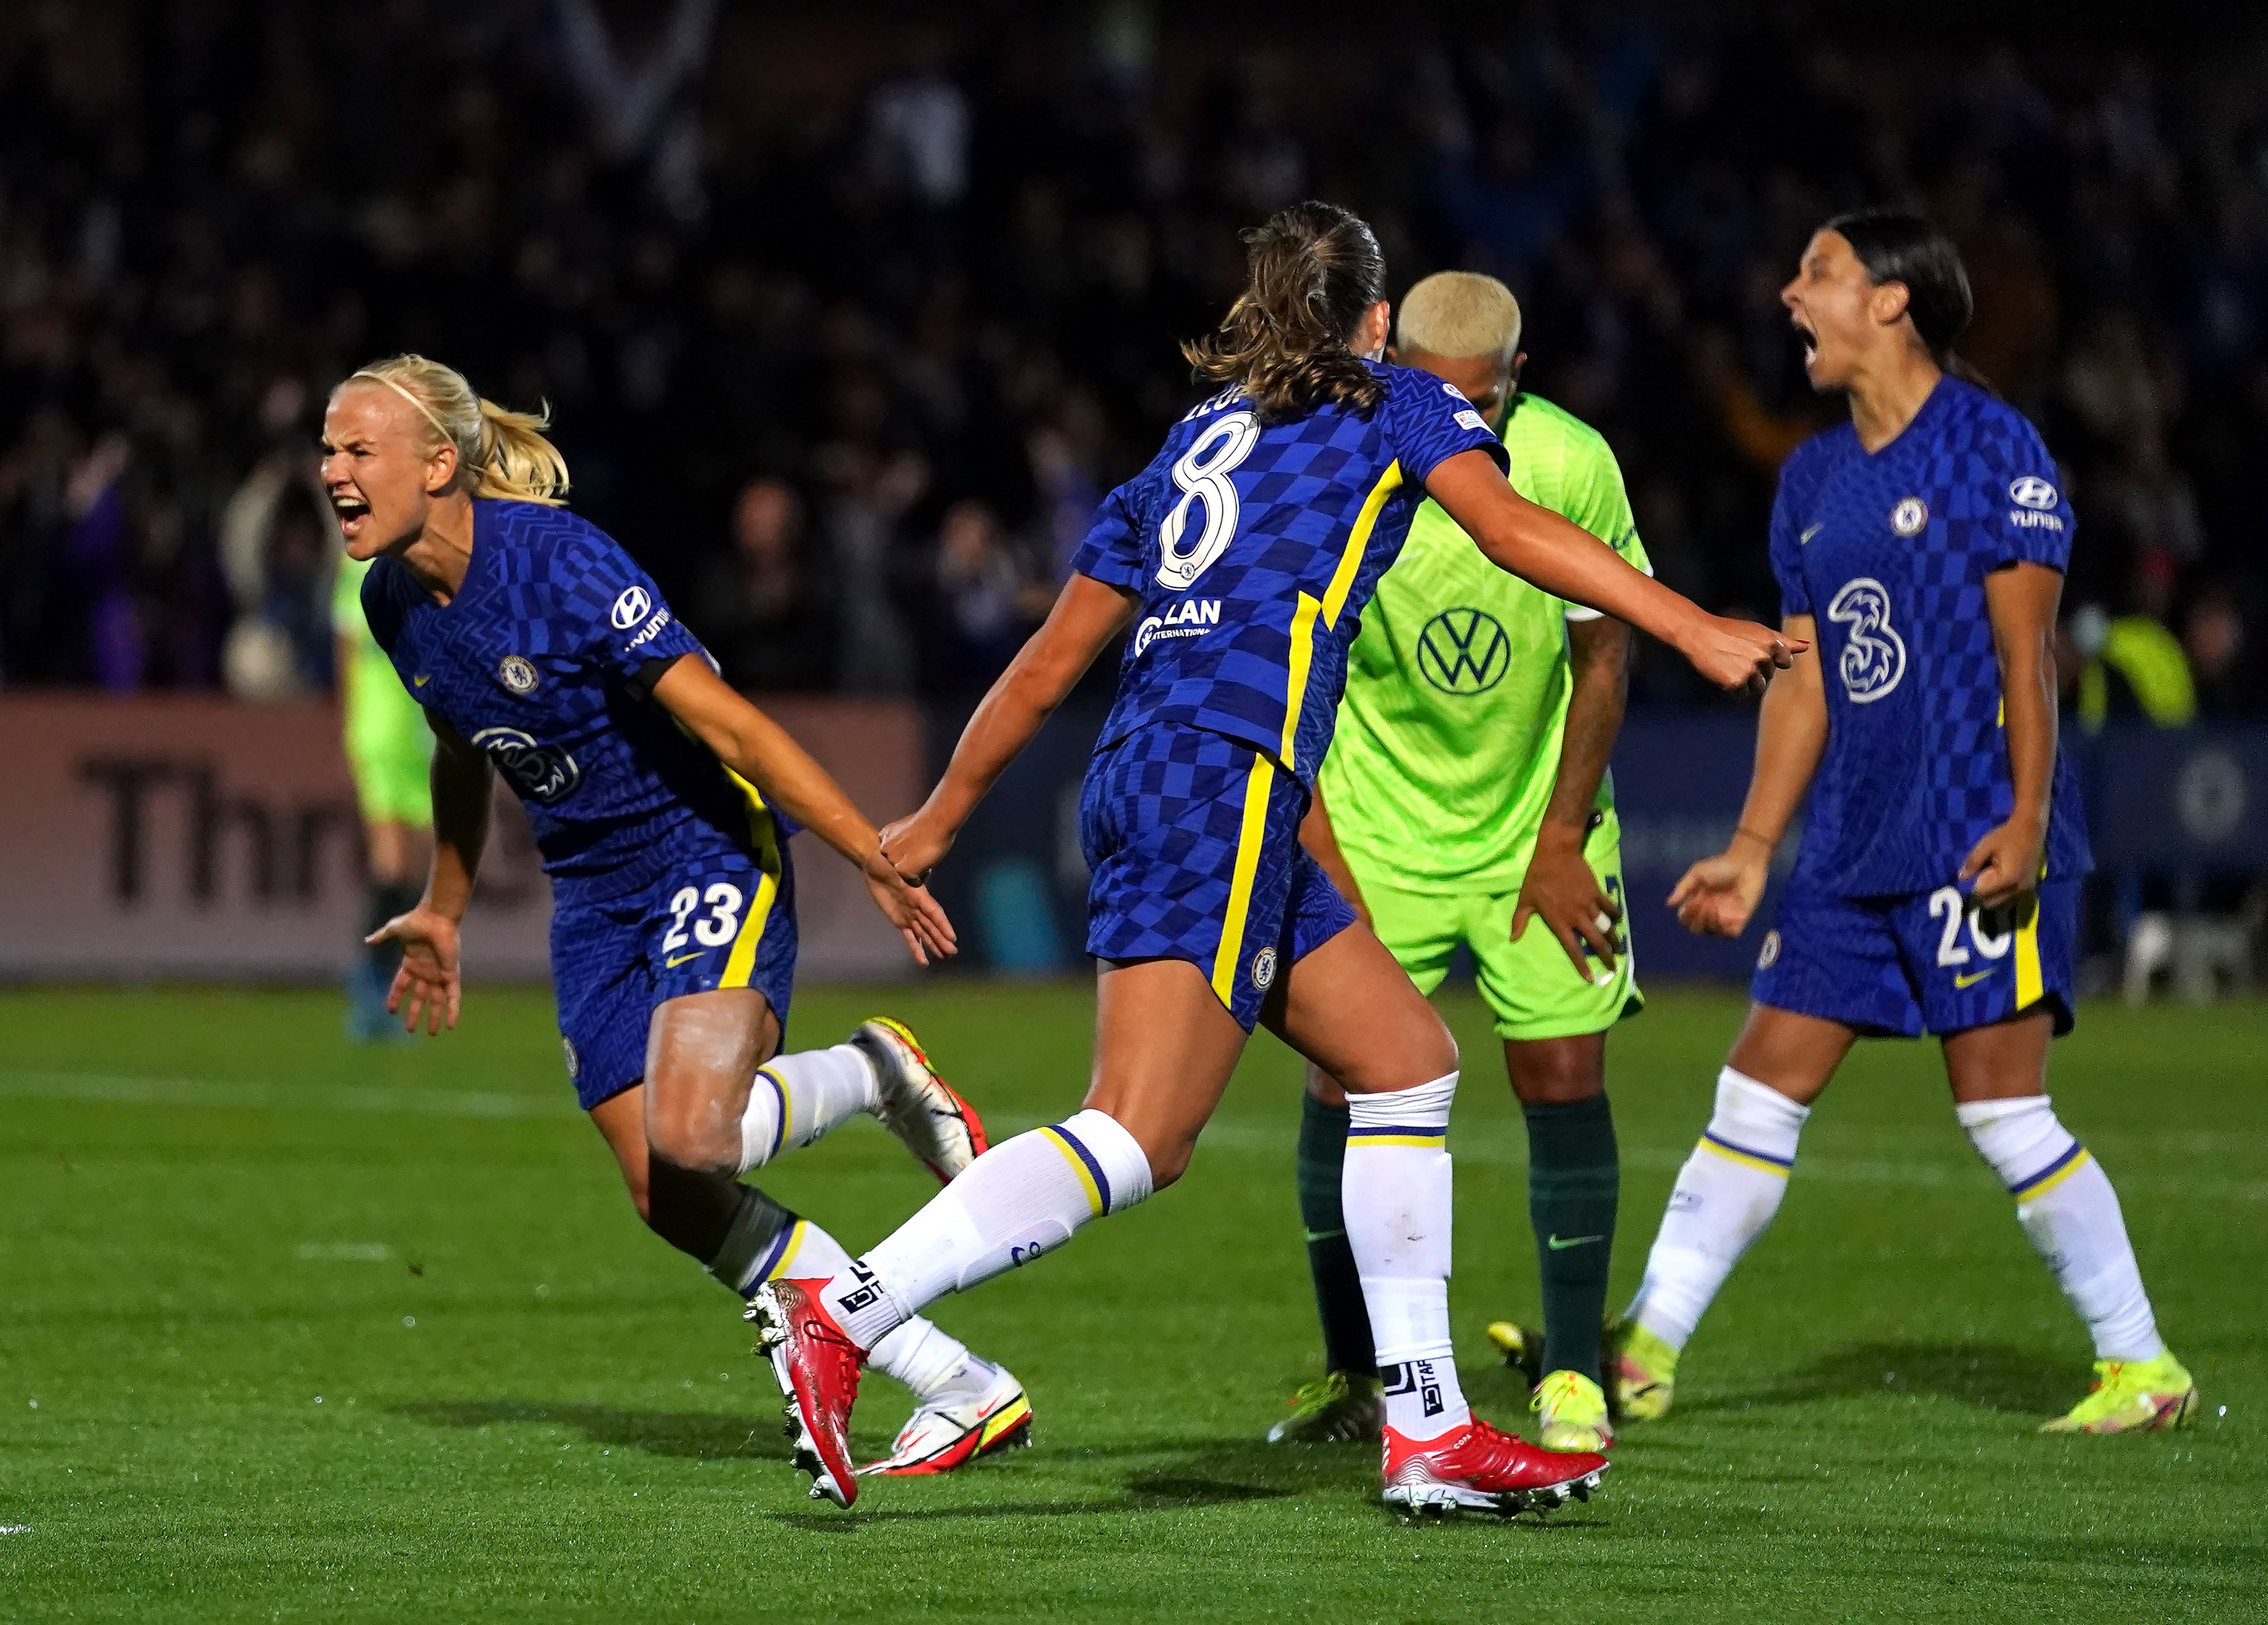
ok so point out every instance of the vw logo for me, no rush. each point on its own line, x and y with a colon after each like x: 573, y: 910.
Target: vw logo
x: 1465, y: 652
x: 631, y: 608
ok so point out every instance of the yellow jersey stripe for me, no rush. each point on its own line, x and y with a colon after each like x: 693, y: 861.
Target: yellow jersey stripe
x: 1078, y: 1166
x: 1430, y: 1142
x: 1303, y: 657
x: 1226, y: 957
x: 1742, y: 1158
x: 765, y: 835
x: 1335, y: 596
x: 2030, y: 985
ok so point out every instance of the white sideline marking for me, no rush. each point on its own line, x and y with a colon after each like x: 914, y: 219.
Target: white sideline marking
x: 15, y: 1528
x: 344, y: 1252
x: 131, y: 1089
x: 1248, y: 1137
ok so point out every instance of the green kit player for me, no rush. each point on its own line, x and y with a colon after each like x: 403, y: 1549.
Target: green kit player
x: 1466, y: 800
x: 390, y: 750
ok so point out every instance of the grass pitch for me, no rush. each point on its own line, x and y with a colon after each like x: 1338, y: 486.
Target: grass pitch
x: 291, y: 1331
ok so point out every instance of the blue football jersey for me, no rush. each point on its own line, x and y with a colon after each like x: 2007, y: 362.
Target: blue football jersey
x: 546, y: 660
x: 1888, y: 552
x: 1254, y: 546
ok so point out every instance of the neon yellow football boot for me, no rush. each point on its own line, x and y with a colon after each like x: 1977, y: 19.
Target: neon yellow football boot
x: 2134, y: 1396
x: 1522, y: 1348
x: 1337, y: 1409
x: 1571, y: 1414
x: 1643, y: 1370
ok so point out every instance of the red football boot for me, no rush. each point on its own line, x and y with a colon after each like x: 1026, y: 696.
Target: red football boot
x: 1476, y: 1466
x: 817, y: 1367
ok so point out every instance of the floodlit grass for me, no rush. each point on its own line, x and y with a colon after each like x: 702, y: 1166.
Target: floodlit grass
x: 293, y: 1331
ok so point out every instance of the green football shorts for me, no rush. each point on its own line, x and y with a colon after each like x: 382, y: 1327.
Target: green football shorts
x: 1529, y: 984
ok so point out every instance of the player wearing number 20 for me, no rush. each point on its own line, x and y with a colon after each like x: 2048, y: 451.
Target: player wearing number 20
x: 660, y: 801
x: 1923, y: 546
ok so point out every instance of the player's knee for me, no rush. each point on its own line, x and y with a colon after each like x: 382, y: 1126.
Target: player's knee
x: 693, y: 1142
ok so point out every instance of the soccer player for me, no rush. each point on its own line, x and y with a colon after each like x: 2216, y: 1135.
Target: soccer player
x: 1466, y: 800
x: 1243, y: 557
x: 660, y: 801
x: 1924, y: 544
x: 389, y: 750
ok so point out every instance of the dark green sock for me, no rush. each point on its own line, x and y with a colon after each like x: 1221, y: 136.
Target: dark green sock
x: 1338, y: 1289
x: 1573, y: 1178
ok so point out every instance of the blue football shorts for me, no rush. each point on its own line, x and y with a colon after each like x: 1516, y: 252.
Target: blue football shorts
x: 1926, y: 962
x: 1194, y: 842
x: 720, y: 918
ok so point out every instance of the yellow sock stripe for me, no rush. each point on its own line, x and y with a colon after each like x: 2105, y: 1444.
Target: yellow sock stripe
x: 787, y: 1107
x: 2034, y: 1192
x: 1231, y: 952
x: 1303, y: 656
x: 1742, y: 1158
x: 1078, y: 1165
x: 1335, y: 596
x: 778, y: 1272
x: 1430, y: 1142
x: 740, y: 964
x: 2030, y: 983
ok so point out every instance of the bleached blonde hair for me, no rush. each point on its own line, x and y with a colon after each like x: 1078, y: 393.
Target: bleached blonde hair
x: 1457, y: 315
x: 500, y: 452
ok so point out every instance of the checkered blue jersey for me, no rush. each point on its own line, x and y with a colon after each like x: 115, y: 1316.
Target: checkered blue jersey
x: 1888, y: 552
x: 546, y: 660
x: 1254, y: 546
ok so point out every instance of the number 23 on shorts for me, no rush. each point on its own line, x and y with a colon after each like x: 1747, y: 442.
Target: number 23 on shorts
x: 709, y: 918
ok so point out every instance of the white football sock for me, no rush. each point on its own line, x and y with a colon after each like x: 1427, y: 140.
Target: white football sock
x: 1021, y: 1199
x: 1395, y: 1193
x: 795, y: 1099
x: 2066, y: 1203
x: 1725, y: 1197
x: 766, y: 1242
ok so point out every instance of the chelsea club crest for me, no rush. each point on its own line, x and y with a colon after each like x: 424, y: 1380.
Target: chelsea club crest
x: 517, y: 672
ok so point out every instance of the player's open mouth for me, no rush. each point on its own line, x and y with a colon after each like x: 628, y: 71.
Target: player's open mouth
x: 1810, y: 339
x: 352, y: 511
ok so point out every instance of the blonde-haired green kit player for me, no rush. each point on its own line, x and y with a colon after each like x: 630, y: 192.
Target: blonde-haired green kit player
x: 1466, y: 800
x: 390, y: 750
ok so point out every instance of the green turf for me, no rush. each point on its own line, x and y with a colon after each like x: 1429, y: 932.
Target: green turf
x: 289, y: 1331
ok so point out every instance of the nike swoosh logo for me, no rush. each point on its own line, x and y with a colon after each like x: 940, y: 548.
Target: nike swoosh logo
x: 1808, y: 534
x: 681, y: 958
x: 1974, y: 977
x: 422, y: 682
x: 1560, y: 1244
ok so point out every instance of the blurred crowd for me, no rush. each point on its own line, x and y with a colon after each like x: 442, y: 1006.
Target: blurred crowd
x: 848, y: 321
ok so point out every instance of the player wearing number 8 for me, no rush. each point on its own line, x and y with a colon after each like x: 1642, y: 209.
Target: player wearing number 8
x: 661, y: 801
x: 1242, y: 558
x: 1924, y: 544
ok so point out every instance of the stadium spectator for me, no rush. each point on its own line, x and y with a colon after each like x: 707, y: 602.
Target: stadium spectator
x: 762, y: 613
x: 907, y: 266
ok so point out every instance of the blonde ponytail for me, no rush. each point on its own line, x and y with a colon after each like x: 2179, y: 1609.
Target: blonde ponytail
x: 500, y: 452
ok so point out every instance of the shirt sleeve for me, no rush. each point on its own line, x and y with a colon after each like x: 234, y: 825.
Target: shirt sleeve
x: 612, y: 615
x: 1602, y: 506
x: 1787, y: 549
x: 1112, y: 552
x: 2026, y: 519
x: 1427, y: 423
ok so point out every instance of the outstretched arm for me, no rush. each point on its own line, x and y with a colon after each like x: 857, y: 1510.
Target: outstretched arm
x: 1719, y: 894
x: 2021, y: 601
x: 1567, y: 562
x: 427, y: 979
x: 760, y: 751
x: 1087, y: 614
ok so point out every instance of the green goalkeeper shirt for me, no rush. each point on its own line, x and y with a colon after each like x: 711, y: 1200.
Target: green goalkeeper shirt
x: 1457, y: 685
